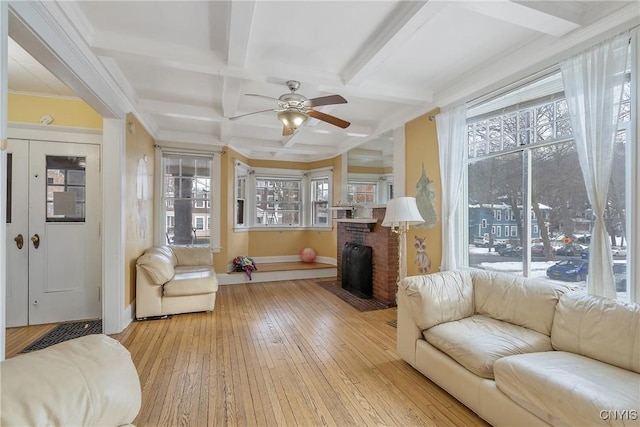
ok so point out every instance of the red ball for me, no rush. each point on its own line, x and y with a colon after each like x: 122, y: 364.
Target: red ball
x: 308, y: 255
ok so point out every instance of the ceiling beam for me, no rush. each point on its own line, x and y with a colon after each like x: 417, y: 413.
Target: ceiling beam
x: 184, y: 111
x: 231, y: 93
x: 387, y: 41
x: 239, y: 35
x: 152, y: 52
x: 550, y: 18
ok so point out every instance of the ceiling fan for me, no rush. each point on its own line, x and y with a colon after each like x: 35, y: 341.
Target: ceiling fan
x: 294, y: 109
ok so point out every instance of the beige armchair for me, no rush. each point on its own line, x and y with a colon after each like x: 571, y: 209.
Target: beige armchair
x: 173, y: 280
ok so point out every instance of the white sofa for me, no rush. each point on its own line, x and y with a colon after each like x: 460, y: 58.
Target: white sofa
x: 173, y: 280
x: 521, y: 351
x: 88, y: 381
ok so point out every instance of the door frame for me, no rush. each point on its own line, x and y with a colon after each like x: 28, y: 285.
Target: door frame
x: 115, y: 317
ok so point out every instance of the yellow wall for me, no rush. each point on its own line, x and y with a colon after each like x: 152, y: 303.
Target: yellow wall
x: 65, y: 112
x: 139, y: 209
x: 421, y: 150
x: 233, y: 243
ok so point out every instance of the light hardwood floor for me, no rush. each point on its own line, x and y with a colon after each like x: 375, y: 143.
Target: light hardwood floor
x: 274, y: 354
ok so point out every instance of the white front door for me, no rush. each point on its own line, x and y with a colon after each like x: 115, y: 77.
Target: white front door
x: 60, y: 227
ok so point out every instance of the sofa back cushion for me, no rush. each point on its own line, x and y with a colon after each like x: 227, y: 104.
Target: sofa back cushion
x: 439, y: 297
x: 598, y: 328
x: 158, y: 264
x: 191, y: 255
x: 529, y: 303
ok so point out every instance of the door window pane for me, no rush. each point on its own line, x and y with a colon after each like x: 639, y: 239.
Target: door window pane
x: 66, y: 184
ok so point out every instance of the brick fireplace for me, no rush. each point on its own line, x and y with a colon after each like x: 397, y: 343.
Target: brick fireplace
x: 384, y: 243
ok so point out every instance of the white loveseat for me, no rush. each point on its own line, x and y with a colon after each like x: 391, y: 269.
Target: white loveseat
x: 523, y: 352
x: 88, y: 381
x: 173, y: 280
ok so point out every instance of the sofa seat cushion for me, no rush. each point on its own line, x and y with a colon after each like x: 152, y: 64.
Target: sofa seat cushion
x: 476, y: 342
x: 569, y: 389
x: 191, y: 280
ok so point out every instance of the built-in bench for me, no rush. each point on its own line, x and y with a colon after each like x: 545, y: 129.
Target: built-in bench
x: 272, y: 269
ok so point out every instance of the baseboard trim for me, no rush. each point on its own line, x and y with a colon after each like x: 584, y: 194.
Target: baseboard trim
x: 128, y: 315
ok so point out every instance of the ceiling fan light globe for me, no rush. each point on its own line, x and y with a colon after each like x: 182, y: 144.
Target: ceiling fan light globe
x: 292, y: 119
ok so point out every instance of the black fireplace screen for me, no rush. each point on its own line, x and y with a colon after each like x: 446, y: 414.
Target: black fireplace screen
x: 357, y: 269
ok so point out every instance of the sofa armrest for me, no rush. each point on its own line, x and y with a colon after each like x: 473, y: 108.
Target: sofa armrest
x: 148, y: 295
x: 408, y: 332
x: 83, y: 382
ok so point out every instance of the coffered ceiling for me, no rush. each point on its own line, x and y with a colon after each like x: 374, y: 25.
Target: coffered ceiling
x: 184, y: 68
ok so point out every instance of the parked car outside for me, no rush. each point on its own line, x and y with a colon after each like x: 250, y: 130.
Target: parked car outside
x: 620, y: 251
x: 569, y: 270
x: 480, y: 242
x: 538, y: 250
x: 620, y: 274
x: 513, y: 251
x: 570, y: 250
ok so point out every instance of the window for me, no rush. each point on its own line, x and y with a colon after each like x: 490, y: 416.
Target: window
x: 186, y: 192
x: 285, y: 198
x: 199, y: 223
x: 320, y: 215
x: 362, y: 193
x: 241, y: 173
x: 278, y: 201
x: 530, y: 143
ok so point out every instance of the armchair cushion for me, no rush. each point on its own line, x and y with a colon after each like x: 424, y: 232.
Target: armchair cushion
x: 191, y: 280
x: 190, y: 255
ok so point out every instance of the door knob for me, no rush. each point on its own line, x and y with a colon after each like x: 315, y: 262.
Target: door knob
x: 19, y: 241
x: 36, y: 240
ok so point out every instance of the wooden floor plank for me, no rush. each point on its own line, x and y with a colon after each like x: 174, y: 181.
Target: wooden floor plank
x: 279, y: 353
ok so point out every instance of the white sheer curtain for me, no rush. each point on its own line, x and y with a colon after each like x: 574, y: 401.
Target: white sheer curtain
x: 593, y: 87
x: 451, y: 127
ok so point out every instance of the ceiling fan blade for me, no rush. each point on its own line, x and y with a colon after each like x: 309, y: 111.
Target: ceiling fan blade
x: 286, y: 131
x: 261, y: 96
x: 329, y: 119
x: 326, y: 100
x: 249, y: 114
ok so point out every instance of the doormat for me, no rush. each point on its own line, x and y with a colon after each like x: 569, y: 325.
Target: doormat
x: 65, y: 332
x: 361, y: 304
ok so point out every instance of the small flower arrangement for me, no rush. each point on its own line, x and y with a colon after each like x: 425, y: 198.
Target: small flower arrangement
x: 244, y: 263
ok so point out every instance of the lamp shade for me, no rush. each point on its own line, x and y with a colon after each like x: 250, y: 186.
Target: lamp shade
x: 292, y: 119
x: 402, y: 211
